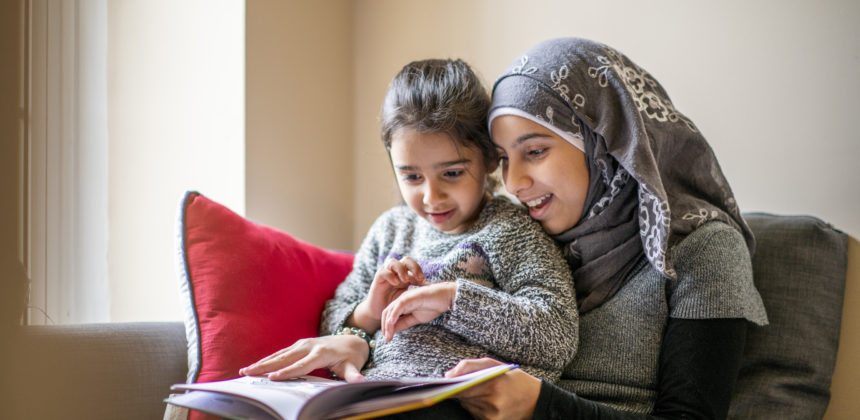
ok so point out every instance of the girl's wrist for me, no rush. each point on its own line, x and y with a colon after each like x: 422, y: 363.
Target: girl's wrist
x: 360, y: 318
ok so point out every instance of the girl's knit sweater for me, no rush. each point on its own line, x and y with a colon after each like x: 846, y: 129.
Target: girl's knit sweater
x: 514, y: 298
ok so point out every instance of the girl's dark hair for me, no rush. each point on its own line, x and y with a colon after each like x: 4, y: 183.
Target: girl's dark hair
x: 438, y: 95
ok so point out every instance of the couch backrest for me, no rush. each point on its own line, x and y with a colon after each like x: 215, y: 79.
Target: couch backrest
x: 799, y: 268
x: 95, y: 371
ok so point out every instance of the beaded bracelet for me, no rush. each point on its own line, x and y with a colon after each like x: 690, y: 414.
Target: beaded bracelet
x: 362, y: 334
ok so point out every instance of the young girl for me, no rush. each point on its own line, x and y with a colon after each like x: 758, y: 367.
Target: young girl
x: 454, y: 272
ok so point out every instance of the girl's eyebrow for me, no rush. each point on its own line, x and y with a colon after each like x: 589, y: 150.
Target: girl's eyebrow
x: 453, y: 163
x: 437, y: 166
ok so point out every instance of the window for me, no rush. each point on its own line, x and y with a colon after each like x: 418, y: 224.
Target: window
x: 131, y: 103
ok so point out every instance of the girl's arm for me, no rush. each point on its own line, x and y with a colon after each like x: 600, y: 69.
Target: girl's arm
x: 356, y: 285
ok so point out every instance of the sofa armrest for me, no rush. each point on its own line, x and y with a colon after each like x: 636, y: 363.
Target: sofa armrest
x: 96, y: 371
x: 845, y: 387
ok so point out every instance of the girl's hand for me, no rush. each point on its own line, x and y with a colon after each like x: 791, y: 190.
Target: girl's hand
x: 417, y: 306
x: 389, y: 283
x: 344, y: 355
x: 513, y: 395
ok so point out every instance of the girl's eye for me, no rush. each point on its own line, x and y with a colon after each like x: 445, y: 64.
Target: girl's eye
x: 453, y: 173
x: 411, y: 177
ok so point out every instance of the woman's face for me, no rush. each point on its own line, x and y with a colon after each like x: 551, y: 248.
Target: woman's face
x: 544, y: 171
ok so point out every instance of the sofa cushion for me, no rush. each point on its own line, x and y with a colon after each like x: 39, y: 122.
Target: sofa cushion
x: 248, y: 289
x: 799, y: 268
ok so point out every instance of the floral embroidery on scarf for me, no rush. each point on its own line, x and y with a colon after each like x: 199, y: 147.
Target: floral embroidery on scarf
x: 641, y: 86
x: 518, y: 69
x: 615, y: 185
x: 599, y: 73
x: 702, y: 216
x: 654, y: 219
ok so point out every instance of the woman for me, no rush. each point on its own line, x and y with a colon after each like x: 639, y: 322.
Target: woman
x: 659, y: 253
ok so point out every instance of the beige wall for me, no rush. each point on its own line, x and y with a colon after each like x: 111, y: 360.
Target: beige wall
x: 299, y: 110
x: 772, y: 84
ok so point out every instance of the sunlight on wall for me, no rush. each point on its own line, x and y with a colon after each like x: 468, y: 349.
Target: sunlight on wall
x: 176, y: 99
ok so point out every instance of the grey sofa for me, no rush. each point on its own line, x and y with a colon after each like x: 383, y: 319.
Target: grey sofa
x: 124, y: 370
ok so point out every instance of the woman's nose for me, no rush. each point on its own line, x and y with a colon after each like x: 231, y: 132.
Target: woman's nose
x: 516, y: 179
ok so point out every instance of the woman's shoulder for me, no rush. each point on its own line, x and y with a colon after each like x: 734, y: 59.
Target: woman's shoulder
x: 714, y: 276
x: 715, y: 238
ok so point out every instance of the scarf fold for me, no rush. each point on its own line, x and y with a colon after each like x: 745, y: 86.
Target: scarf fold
x: 653, y: 177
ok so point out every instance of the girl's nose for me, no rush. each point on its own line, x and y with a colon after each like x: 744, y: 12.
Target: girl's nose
x: 433, y: 193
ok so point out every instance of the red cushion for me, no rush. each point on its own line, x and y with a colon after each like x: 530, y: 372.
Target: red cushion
x: 250, y: 289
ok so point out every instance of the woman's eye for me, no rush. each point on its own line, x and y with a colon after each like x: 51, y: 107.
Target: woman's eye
x: 537, y: 152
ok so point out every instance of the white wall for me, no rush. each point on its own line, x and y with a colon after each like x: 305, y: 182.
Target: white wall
x: 772, y: 84
x: 176, y: 122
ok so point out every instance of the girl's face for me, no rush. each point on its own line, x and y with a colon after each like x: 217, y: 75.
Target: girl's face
x: 544, y: 171
x: 441, y: 181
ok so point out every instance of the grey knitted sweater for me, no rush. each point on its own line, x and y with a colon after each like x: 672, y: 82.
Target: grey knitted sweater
x: 514, y: 298
x: 620, y: 341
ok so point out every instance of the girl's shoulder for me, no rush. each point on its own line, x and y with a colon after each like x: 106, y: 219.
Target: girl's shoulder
x: 501, y: 215
x: 502, y: 207
x: 395, y: 219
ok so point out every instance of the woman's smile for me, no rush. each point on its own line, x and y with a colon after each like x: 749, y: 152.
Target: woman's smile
x: 538, y: 207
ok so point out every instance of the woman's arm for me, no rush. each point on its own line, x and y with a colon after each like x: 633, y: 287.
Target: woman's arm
x: 699, y: 363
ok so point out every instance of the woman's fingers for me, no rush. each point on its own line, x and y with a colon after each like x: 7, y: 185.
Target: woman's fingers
x: 470, y: 365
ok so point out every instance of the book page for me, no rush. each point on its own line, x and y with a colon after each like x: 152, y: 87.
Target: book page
x: 222, y: 405
x: 286, y: 398
x: 309, y: 397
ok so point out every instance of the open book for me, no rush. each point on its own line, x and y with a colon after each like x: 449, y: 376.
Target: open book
x: 309, y: 397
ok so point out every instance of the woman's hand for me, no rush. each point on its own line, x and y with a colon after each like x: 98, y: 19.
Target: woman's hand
x: 513, y: 395
x: 389, y: 283
x: 417, y: 306
x: 344, y: 355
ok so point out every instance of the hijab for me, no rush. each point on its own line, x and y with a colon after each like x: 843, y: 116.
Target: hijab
x: 653, y: 177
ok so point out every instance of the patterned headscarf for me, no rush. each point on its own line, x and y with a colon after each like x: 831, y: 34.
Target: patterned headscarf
x: 653, y: 176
